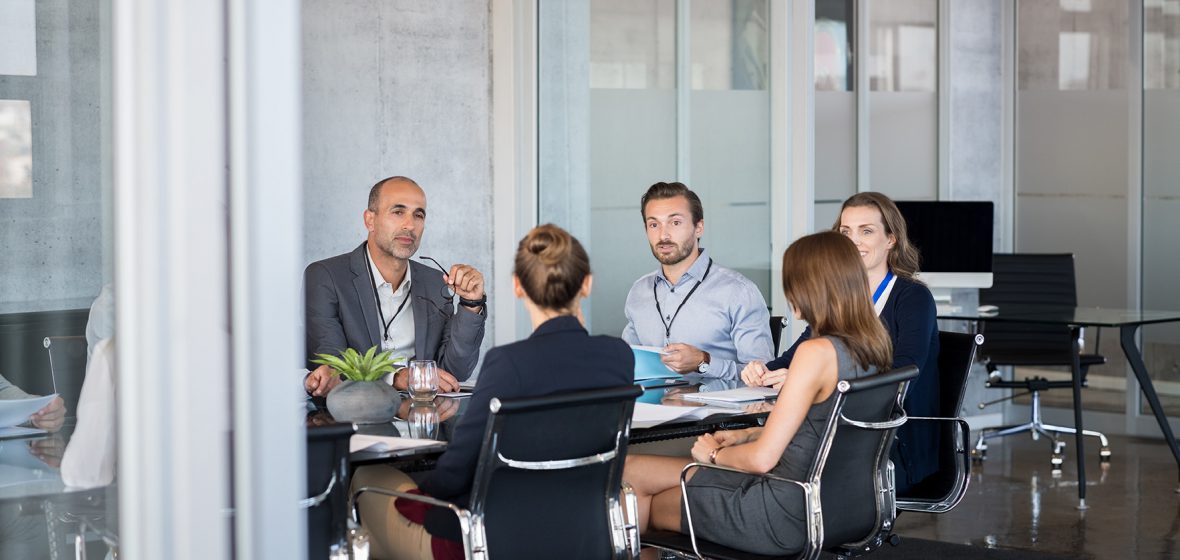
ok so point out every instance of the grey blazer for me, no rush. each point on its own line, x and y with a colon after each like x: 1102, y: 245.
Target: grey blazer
x: 342, y: 313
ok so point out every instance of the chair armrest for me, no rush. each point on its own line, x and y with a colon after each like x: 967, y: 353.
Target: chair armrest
x: 810, y: 496
x: 962, y: 474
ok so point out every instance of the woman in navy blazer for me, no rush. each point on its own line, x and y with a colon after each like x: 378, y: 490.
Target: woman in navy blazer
x: 906, y: 306
x: 551, y: 276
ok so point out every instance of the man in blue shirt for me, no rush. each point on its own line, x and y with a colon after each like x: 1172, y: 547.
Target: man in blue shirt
x: 707, y: 318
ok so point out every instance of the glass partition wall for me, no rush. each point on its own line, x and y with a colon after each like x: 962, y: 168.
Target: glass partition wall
x: 1161, y: 193
x: 1097, y: 123
x: 636, y: 92
x: 876, y: 101
x: 56, y: 269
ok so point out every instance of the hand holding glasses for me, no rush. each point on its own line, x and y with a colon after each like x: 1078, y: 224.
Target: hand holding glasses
x: 465, y: 280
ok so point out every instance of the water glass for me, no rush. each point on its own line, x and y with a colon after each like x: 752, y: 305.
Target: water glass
x: 423, y: 381
x: 423, y: 420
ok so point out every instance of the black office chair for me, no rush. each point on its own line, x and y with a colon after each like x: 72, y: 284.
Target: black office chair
x: 327, y: 488
x: 1042, y: 280
x: 851, y: 477
x: 549, y: 478
x: 67, y: 367
x: 943, y: 490
x: 777, y: 323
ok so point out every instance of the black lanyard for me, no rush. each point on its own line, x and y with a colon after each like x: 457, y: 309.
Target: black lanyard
x: 655, y: 296
x: 377, y: 297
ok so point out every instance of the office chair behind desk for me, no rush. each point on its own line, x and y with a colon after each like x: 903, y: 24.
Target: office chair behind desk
x: 1041, y: 280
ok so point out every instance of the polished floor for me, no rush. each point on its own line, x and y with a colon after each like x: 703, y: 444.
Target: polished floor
x: 1014, y: 502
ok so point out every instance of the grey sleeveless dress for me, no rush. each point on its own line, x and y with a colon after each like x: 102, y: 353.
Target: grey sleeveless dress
x: 756, y: 515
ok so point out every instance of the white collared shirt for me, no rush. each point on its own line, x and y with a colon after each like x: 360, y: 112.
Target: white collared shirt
x: 401, y: 330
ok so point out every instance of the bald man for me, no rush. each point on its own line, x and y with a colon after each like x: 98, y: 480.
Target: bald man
x: 376, y: 296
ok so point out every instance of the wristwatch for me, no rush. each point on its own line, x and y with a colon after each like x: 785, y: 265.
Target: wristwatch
x: 481, y: 303
x: 703, y: 367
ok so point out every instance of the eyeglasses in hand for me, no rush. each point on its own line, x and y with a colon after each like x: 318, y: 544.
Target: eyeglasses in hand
x: 447, y: 294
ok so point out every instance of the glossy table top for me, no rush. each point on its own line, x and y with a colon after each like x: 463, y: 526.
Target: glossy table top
x: 1078, y: 316
x: 437, y: 419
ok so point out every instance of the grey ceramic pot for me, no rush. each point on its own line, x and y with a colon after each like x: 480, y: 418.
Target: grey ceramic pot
x: 363, y: 402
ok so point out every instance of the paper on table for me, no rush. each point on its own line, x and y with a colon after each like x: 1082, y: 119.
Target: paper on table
x: 647, y: 415
x: 648, y: 364
x: 13, y: 412
x: 381, y: 444
x: 741, y: 394
x: 455, y: 394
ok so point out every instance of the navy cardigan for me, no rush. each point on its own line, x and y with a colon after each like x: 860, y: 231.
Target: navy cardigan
x: 909, y: 316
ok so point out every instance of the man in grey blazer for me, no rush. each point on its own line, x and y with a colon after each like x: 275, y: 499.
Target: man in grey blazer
x: 376, y: 296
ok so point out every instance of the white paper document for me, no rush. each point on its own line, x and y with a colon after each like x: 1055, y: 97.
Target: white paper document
x: 382, y: 444
x: 739, y: 395
x: 647, y: 415
x: 13, y: 412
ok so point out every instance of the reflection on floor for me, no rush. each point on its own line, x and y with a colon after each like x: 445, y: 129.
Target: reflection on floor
x: 1014, y: 502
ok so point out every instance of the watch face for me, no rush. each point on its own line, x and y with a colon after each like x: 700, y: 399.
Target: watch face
x: 703, y: 368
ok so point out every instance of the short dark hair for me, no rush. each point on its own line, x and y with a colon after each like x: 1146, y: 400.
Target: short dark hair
x: 375, y: 191
x: 661, y: 191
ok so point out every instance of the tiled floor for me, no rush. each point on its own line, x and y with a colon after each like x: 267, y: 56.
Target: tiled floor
x: 1014, y: 502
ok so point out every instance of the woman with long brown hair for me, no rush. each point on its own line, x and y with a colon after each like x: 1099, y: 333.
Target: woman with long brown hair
x: 824, y: 280
x: 906, y: 307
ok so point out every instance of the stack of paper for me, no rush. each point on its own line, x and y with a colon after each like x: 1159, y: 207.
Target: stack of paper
x: 383, y: 444
x: 647, y: 415
x: 739, y: 395
x: 13, y: 412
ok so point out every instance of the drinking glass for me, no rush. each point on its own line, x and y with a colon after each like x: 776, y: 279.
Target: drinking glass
x: 423, y: 420
x: 423, y: 381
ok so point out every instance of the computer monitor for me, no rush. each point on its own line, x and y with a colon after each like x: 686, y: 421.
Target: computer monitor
x: 954, y: 239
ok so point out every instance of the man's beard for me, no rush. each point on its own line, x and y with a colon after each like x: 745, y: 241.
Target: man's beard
x: 394, y: 249
x: 675, y: 257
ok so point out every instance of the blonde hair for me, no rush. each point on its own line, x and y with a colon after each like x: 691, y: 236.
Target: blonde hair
x: 551, y: 265
x: 824, y: 278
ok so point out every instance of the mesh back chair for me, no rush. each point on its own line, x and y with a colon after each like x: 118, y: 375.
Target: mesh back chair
x: 777, y: 323
x: 549, y: 477
x: 67, y: 367
x: 943, y: 490
x: 851, y: 477
x: 1045, y: 281
x: 327, y: 488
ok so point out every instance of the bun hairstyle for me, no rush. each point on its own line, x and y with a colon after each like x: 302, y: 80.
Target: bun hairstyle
x: 551, y: 265
x: 824, y: 278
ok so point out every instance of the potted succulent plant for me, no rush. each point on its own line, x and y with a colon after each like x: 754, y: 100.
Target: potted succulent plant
x: 364, y: 397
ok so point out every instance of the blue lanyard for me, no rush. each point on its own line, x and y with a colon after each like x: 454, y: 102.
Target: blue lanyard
x: 881, y: 286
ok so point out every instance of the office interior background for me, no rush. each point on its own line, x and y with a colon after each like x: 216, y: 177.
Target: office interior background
x: 197, y: 155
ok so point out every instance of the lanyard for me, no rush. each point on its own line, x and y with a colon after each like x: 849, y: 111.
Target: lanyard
x: 377, y: 297
x: 881, y: 287
x: 668, y: 324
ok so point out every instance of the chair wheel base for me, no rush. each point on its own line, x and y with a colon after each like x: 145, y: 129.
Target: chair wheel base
x: 894, y: 540
x: 1104, y: 455
x: 978, y: 455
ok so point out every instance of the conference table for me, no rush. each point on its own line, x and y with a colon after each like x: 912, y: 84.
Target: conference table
x: 40, y: 516
x: 658, y: 391
x: 1128, y: 321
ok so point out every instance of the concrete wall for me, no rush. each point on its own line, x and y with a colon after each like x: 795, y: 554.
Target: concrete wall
x: 53, y: 242
x: 398, y: 88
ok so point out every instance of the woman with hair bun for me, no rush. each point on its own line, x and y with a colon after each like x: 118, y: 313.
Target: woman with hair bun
x: 551, y: 276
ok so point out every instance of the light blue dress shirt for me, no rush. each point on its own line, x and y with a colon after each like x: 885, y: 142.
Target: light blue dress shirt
x: 726, y: 316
